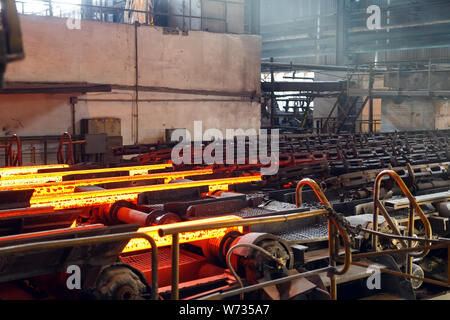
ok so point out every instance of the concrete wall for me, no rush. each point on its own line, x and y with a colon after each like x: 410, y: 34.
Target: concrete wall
x: 442, y: 114
x: 416, y: 113
x: 407, y: 114
x: 200, y: 76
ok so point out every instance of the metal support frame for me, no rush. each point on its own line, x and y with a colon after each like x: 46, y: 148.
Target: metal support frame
x: 176, y: 230
x: 334, y: 230
x: 378, y: 206
x: 272, y: 97
x: 334, y: 227
x: 69, y: 243
x: 371, y: 83
x: 340, y: 33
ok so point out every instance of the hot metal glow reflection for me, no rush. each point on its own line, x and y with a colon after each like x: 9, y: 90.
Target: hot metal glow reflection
x: 14, y: 171
x: 186, y: 237
x: 42, y: 178
x: 94, y: 198
x: 69, y: 186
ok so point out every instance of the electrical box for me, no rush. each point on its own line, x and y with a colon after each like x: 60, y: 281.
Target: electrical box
x: 109, y: 126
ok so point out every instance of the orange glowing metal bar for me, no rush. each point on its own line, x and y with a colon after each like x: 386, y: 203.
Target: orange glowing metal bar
x: 41, y: 178
x: 93, y: 198
x: 187, y: 237
x: 14, y: 171
x: 69, y: 186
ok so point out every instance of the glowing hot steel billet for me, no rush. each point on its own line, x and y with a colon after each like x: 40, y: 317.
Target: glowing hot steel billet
x: 101, y: 197
x: 41, y: 178
x: 186, y: 237
x: 41, y: 190
x: 14, y: 171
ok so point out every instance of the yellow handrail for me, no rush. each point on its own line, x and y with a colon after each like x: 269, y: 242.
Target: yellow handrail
x: 332, y: 223
x: 378, y: 206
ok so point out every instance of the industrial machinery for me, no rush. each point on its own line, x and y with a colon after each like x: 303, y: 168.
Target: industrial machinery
x: 150, y: 232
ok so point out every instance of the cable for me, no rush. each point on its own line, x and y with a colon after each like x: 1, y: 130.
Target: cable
x: 236, y: 276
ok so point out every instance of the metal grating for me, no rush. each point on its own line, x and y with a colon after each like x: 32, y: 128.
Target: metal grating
x: 313, y: 232
x: 142, y: 261
x: 253, y: 212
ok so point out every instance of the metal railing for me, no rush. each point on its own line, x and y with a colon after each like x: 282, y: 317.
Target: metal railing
x: 334, y: 229
x: 149, y: 15
x: 407, y: 241
x: 378, y: 206
x: 333, y: 225
x: 59, y: 244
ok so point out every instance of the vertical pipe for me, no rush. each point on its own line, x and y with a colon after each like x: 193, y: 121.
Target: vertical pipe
x: 201, y: 15
x: 50, y: 8
x: 371, y: 83
x: 429, y: 77
x: 183, y: 17
x: 73, y: 101
x: 340, y: 33
x: 448, y: 264
x: 226, y: 16
x: 318, y: 32
x: 332, y: 253
x: 101, y: 10
x: 136, y: 106
x: 146, y: 12
x: 175, y: 266
x: 190, y: 14
x: 375, y: 219
x: 255, y: 16
x: 272, y: 97
x: 409, y: 258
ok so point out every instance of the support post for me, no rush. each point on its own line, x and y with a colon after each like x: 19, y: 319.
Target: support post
x: 175, y: 266
x: 340, y: 33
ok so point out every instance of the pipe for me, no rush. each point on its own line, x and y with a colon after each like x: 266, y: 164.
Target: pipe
x: 332, y: 227
x: 164, y: 231
x: 135, y: 114
x: 175, y: 294
x: 57, y: 244
x: 232, y: 293
x: 308, y: 67
x: 131, y: 216
x: 378, y: 206
x: 73, y: 102
x: 249, y: 245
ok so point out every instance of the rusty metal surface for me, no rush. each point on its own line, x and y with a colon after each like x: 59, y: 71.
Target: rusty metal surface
x: 323, y: 156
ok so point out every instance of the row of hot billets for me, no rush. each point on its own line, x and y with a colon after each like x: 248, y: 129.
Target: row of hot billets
x: 48, y: 204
